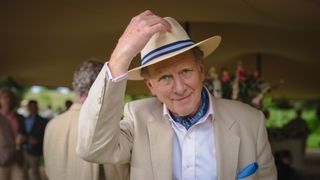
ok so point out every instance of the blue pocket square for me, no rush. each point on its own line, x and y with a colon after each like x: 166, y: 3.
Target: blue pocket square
x: 248, y: 171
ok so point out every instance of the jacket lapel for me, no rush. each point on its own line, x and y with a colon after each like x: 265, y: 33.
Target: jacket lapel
x: 160, y: 137
x: 227, y: 144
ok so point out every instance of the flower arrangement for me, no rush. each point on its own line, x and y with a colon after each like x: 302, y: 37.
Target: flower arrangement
x: 248, y: 88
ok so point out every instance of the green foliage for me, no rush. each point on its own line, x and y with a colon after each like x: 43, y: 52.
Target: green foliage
x: 50, y: 97
x: 313, y: 141
x: 279, y: 117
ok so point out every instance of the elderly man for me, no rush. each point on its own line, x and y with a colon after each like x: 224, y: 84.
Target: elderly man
x: 61, y: 136
x: 182, y: 133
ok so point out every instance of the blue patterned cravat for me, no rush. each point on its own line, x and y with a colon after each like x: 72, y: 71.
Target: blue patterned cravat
x: 187, y: 122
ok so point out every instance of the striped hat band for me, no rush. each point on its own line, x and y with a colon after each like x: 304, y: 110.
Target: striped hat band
x: 166, y: 49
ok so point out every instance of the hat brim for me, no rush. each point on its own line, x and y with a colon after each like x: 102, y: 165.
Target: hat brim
x: 206, y: 46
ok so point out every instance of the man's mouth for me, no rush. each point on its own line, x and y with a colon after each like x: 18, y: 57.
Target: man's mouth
x: 181, y: 98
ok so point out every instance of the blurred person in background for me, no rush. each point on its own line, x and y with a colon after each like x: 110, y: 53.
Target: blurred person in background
x: 48, y: 113
x: 23, y: 108
x: 61, y: 160
x: 283, y: 160
x: 7, y: 144
x: 297, y: 127
x: 35, y: 126
x: 15, y: 121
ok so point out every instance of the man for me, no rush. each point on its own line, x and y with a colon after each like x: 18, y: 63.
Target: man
x: 183, y: 133
x: 61, y: 161
x: 12, y: 171
x: 35, y: 126
x: 7, y: 148
x: 283, y: 160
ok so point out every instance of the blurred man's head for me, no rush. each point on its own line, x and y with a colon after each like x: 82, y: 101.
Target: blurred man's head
x: 299, y: 112
x: 33, y: 107
x: 84, y: 77
x: 283, y: 157
x: 266, y: 113
x: 7, y: 99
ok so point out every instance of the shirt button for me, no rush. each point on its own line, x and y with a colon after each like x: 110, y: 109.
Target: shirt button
x: 188, y: 166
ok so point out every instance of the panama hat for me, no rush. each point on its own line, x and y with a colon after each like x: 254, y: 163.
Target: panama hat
x: 162, y: 46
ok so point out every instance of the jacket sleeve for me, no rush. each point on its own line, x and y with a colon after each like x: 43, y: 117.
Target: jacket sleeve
x: 267, y: 169
x: 102, y: 138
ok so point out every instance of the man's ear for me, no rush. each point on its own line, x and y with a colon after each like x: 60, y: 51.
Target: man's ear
x: 202, y: 71
x: 149, y: 85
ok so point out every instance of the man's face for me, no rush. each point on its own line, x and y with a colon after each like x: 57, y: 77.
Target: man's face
x: 33, y: 108
x: 177, y: 82
x: 5, y: 100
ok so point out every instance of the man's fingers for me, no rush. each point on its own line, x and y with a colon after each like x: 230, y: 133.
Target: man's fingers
x: 154, y: 20
x: 157, y: 28
x: 146, y: 13
x: 142, y: 16
x: 148, y: 18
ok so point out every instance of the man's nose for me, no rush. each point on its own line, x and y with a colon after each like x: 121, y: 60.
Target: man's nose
x: 179, y: 85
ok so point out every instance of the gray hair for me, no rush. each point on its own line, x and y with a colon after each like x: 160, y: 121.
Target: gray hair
x: 84, y: 77
x: 196, y: 51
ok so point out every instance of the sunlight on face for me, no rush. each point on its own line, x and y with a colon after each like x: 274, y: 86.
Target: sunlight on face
x: 177, y: 82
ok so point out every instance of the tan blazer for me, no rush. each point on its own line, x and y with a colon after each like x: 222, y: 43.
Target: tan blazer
x: 61, y: 160
x: 144, y: 137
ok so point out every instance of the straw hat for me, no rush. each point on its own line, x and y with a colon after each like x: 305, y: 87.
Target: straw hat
x: 162, y: 46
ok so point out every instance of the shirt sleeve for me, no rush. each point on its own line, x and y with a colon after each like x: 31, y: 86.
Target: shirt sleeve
x: 115, y: 79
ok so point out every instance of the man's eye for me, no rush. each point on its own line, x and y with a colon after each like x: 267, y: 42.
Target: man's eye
x: 165, y: 78
x: 186, y: 72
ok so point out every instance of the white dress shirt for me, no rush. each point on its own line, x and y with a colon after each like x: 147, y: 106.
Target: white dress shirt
x: 194, y: 155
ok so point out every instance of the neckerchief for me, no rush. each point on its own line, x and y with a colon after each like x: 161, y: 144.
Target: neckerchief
x: 188, y: 121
